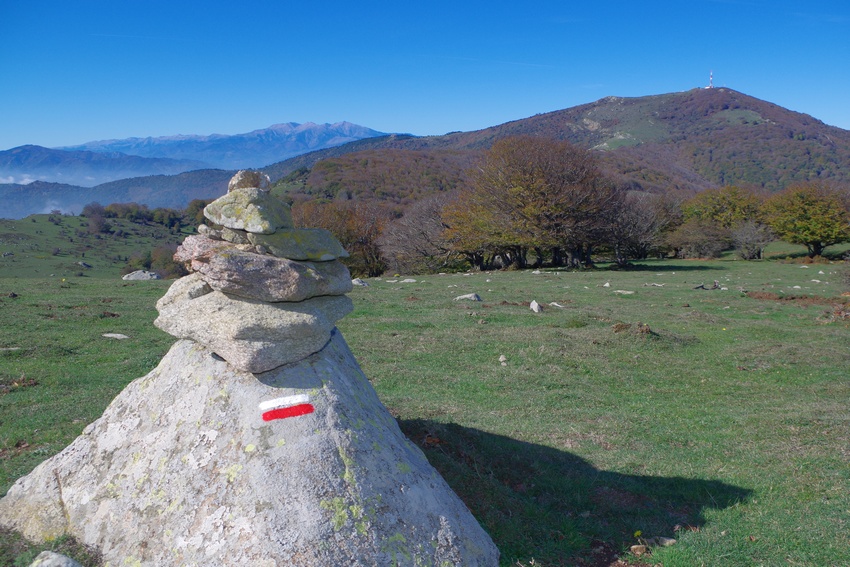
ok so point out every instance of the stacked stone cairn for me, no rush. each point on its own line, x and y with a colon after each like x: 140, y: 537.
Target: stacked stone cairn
x: 257, y: 440
x: 262, y: 293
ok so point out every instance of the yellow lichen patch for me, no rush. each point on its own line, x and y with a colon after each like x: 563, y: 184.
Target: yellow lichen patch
x: 232, y: 472
x: 340, y: 512
x: 250, y: 448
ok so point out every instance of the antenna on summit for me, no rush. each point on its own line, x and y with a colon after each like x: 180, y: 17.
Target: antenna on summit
x: 710, y: 80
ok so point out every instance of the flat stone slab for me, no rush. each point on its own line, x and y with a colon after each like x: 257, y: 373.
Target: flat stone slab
x: 250, y: 209
x: 254, y: 336
x: 311, y: 244
x: 232, y: 270
x: 183, y: 469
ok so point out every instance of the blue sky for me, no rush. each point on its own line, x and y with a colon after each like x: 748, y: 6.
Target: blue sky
x: 73, y: 71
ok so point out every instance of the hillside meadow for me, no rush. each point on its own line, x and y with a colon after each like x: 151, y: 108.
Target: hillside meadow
x: 636, y: 407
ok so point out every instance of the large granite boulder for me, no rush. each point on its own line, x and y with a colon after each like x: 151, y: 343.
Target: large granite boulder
x: 198, y: 463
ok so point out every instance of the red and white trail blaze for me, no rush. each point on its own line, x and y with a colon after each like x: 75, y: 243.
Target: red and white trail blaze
x: 288, y: 406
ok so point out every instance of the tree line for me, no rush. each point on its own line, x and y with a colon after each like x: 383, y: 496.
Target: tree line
x: 542, y: 202
x: 538, y: 202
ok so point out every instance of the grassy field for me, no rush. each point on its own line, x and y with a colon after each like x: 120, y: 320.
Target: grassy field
x: 719, y: 417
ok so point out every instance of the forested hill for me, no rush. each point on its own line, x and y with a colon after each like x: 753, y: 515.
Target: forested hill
x: 690, y: 140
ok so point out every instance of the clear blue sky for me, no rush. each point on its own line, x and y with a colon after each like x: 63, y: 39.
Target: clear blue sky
x: 73, y: 71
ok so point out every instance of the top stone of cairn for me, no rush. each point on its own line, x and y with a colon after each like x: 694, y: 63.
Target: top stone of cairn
x: 249, y: 206
x: 247, y: 178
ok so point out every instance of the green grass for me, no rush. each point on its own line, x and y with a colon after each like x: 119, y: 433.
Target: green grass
x: 35, y: 247
x: 721, y: 413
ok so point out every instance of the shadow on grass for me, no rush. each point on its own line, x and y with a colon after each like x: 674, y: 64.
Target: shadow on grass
x: 551, y: 506
x: 662, y: 267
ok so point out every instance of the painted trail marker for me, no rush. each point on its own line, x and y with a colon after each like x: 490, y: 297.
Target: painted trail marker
x: 288, y: 406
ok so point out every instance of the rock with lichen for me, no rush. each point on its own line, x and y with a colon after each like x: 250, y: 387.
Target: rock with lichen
x: 257, y: 440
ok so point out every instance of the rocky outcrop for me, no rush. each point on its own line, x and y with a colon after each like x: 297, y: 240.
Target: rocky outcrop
x: 256, y: 441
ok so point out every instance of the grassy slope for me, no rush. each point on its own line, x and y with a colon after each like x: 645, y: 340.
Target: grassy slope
x: 730, y: 416
x: 35, y: 247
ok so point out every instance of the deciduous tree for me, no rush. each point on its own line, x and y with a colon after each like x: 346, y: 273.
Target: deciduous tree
x: 812, y: 214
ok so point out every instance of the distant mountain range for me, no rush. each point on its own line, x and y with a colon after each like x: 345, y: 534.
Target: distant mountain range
x: 99, y: 162
x: 686, y: 141
x: 239, y: 151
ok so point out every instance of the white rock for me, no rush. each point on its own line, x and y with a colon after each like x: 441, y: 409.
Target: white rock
x: 141, y: 275
x: 606, y: 284
x: 408, y: 280
x: 118, y: 336
x: 623, y: 292
x: 358, y: 281
x: 51, y: 559
x: 468, y: 297
x: 536, y: 306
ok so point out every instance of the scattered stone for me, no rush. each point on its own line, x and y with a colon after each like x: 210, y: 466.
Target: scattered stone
x: 118, y: 336
x: 653, y: 285
x: 665, y: 541
x: 250, y: 209
x: 246, y: 178
x: 12, y: 295
x: 85, y: 265
x: 51, y: 559
x: 623, y: 292
x: 229, y: 269
x: 606, y: 284
x: 535, y: 306
x: 804, y: 267
x: 408, y: 280
x: 503, y: 358
x: 468, y: 297
x: 311, y: 244
x: 359, y: 282
x: 639, y: 550
x: 142, y: 275
x: 558, y: 305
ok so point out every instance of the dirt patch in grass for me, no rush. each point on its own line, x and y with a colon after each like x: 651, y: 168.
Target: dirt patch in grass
x: 797, y: 299
x: 11, y: 384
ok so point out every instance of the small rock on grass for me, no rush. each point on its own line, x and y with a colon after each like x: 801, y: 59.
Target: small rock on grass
x: 51, y: 559
x: 468, y: 297
x: 118, y: 336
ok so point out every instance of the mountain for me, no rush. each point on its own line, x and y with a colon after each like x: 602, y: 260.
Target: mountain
x: 689, y: 141
x: 171, y: 191
x: 686, y: 141
x: 240, y: 151
x: 28, y: 163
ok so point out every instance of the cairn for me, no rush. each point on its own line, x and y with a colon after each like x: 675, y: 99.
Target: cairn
x: 262, y: 293
x: 257, y: 440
